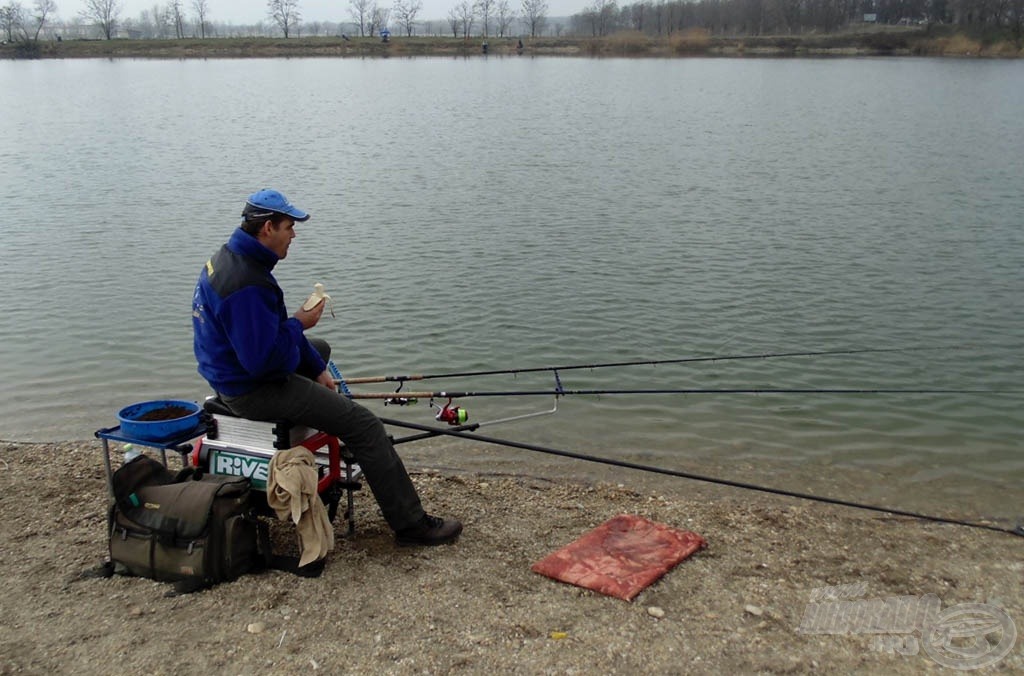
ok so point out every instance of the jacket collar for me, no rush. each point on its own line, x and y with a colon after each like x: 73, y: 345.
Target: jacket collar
x: 245, y: 244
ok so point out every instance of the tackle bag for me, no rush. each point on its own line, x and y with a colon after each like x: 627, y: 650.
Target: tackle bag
x: 185, y: 528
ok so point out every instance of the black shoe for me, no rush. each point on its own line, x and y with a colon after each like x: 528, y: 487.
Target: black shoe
x: 429, y: 531
x: 290, y: 564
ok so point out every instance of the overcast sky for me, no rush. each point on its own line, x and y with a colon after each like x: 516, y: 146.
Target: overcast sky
x: 252, y: 11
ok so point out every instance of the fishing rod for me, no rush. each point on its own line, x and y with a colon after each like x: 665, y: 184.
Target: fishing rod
x: 462, y: 434
x: 646, y: 362
x: 397, y: 396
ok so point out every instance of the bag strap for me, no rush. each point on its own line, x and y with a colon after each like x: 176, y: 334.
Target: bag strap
x: 135, y: 474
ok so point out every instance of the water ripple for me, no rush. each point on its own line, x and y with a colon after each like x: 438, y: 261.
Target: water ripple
x: 579, y: 211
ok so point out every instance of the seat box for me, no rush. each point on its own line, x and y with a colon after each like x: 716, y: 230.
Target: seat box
x: 257, y: 433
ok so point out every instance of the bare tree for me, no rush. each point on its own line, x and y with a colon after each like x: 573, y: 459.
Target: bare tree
x: 152, y: 23
x: 602, y: 15
x: 637, y: 15
x: 453, y: 21
x: 1016, y: 20
x: 485, y: 9
x: 202, y: 10
x: 505, y: 16
x: 360, y: 10
x: 12, y: 21
x: 285, y: 14
x: 159, y: 18
x: 146, y: 24
x: 371, y: 21
x: 104, y: 13
x: 405, y: 14
x: 379, y: 17
x: 177, y: 17
x: 44, y: 9
x: 466, y: 14
x: 535, y: 14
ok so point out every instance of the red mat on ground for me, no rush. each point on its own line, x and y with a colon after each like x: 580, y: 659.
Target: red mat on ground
x: 621, y: 557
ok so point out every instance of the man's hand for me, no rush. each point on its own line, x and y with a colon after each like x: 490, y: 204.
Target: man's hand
x: 326, y: 380
x: 309, y: 318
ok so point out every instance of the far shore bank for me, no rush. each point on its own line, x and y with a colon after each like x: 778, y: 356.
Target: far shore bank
x: 877, y: 41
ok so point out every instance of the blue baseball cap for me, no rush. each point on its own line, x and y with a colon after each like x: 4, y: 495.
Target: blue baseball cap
x: 266, y: 203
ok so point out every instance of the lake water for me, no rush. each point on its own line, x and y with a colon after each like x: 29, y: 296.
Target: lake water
x: 501, y: 212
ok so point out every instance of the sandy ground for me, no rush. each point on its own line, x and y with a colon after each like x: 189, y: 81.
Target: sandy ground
x: 475, y: 606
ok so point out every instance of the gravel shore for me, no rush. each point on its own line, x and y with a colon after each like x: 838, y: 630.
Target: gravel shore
x: 475, y: 606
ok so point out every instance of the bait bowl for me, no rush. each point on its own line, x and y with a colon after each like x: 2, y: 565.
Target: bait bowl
x: 159, y: 420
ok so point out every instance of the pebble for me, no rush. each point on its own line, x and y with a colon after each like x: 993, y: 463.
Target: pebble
x: 655, y: 611
x: 256, y: 628
x: 756, y: 611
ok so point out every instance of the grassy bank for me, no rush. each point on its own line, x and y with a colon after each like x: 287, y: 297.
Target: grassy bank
x: 880, y: 41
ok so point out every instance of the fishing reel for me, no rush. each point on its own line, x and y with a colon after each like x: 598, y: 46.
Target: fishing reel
x: 400, y: 401
x: 453, y: 415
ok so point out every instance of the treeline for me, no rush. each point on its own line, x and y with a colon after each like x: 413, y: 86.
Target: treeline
x: 502, y: 18
x: 193, y: 19
x: 792, y: 17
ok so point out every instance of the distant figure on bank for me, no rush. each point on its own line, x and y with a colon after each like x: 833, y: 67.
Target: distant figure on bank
x: 519, y: 47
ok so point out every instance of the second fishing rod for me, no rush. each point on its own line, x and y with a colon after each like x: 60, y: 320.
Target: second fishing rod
x: 401, y: 397
x: 360, y: 380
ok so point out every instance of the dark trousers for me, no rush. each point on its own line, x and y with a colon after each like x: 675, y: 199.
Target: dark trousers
x: 303, y: 401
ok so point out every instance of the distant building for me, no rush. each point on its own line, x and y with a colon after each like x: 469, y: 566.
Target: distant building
x: 870, y: 18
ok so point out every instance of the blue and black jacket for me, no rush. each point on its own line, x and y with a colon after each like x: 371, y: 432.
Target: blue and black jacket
x: 243, y: 334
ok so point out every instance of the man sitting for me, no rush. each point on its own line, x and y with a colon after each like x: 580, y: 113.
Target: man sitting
x: 258, y: 359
